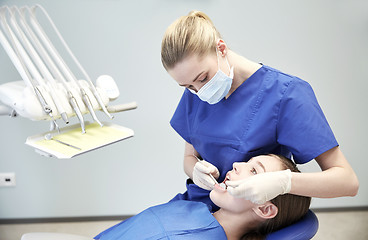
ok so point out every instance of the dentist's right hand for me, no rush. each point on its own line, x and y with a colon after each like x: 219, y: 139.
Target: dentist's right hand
x: 201, y: 176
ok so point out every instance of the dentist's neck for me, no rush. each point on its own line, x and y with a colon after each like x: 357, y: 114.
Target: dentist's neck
x: 243, y: 69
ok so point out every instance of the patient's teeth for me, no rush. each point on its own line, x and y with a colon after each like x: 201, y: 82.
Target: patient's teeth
x: 222, y: 185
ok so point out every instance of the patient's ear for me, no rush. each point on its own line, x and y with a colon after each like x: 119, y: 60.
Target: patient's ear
x: 266, y: 211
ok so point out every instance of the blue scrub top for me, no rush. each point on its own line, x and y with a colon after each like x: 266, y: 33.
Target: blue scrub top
x: 174, y: 220
x: 271, y: 112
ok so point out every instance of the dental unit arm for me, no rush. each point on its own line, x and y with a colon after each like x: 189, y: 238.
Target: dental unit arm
x: 49, y: 90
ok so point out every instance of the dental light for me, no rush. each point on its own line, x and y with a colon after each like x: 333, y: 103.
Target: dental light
x: 51, y: 91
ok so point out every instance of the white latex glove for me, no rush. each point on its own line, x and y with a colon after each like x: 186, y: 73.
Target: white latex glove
x: 201, y: 175
x: 262, y: 187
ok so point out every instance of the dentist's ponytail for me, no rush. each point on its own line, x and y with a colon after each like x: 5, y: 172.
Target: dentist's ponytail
x: 193, y: 33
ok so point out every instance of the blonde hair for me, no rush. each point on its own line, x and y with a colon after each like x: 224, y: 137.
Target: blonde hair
x: 193, y: 33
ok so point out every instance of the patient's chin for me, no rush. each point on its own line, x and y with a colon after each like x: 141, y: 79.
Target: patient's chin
x: 216, y: 198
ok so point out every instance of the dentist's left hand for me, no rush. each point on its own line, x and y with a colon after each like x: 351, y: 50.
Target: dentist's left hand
x: 261, y: 188
x: 201, y: 176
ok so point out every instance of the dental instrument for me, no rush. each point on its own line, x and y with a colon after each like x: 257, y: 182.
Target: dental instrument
x: 38, y: 63
x: 50, y: 90
x: 49, y: 137
x: 22, y: 61
x: 47, y: 108
x: 63, y: 67
x: 50, y: 64
x: 95, y: 92
x: 212, y: 177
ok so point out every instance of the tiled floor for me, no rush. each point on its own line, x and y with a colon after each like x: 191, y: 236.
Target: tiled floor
x: 332, y: 225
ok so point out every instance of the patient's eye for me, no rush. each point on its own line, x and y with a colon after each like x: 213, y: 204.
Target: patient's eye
x: 253, y: 171
x: 235, y: 169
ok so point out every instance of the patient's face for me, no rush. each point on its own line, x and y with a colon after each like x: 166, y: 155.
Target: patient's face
x: 242, y: 170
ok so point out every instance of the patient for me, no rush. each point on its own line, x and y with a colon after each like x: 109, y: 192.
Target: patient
x: 236, y: 219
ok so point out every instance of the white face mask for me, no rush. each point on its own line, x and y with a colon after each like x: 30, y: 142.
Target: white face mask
x: 218, y: 87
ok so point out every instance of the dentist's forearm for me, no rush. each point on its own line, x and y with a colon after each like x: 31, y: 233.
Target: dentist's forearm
x: 337, y: 178
x: 334, y: 182
x: 189, y: 159
x: 189, y: 162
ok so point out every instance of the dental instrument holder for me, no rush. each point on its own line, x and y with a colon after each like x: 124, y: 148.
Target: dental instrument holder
x: 70, y: 142
x: 50, y: 90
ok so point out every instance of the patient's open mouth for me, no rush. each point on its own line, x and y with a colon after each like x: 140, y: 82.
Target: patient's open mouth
x: 223, y: 184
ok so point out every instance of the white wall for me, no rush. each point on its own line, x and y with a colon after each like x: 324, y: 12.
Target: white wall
x: 323, y: 42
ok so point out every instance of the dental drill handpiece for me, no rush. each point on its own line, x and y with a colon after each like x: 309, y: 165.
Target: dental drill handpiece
x: 46, y: 107
x: 77, y: 111
x: 87, y: 101
x: 212, y: 177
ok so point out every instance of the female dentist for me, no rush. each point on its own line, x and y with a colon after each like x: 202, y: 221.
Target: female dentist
x: 234, y: 109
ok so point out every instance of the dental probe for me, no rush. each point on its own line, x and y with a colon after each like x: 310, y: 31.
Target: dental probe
x: 49, y: 137
x: 212, y: 177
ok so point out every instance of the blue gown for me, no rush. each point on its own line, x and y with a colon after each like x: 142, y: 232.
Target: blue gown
x: 271, y: 112
x: 174, y: 220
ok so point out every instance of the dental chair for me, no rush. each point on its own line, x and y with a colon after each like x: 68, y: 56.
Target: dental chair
x: 304, y: 229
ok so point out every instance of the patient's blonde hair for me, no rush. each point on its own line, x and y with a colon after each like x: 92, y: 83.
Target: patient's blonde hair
x: 193, y: 33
